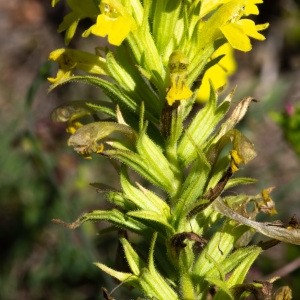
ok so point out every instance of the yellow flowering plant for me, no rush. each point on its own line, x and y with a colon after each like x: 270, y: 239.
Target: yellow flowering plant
x: 151, y: 77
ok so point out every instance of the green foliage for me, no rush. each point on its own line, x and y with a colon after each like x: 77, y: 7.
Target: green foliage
x: 35, y: 262
x: 183, y: 167
x: 289, y: 121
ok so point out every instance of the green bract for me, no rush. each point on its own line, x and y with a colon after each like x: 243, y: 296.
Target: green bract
x: 151, y: 78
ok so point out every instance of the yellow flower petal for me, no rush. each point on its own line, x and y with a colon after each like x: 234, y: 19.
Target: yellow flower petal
x: 218, y: 78
x: 120, y: 29
x: 260, y: 27
x: 178, y: 68
x: 178, y: 92
x: 73, y: 126
x: 60, y: 76
x: 250, y: 29
x: 236, y: 37
x: 61, y: 56
x: 251, y: 9
x: 218, y: 73
x: 103, y: 26
x: 228, y: 62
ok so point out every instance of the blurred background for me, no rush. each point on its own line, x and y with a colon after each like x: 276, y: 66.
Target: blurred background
x: 41, y: 178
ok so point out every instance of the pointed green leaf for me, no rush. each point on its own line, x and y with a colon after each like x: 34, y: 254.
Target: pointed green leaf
x: 152, y: 282
x: 102, y: 107
x: 164, y: 20
x: 238, y: 181
x: 239, y: 274
x: 120, y: 74
x: 141, y: 90
x: 218, y: 248
x: 231, y: 262
x: 217, y: 268
x: 131, y: 81
x: 138, y: 164
x: 155, y: 286
x: 222, y: 285
x: 121, y: 276
x: 193, y: 186
x: 156, y: 161
x: 134, y: 261
x: 176, y: 128
x: 138, y: 197
x: 111, y: 90
x: 145, y: 54
x: 113, y: 216
x: 151, y: 216
x: 120, y: 200
x: 151, y: 265
x: 137, y: 11
x: 159, y: 203
x: 201, y: 127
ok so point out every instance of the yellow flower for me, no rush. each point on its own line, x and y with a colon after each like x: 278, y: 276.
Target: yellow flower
x: 114, y: 22
x: 218, y: 73
x: 238, y: 33
x: 226, y: 22
x: 178, y: 68
x: 69, y: 60
x: 178, y: 91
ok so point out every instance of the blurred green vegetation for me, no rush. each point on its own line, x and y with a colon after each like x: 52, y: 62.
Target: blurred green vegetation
x: 289, y: 121
x: 41, y: 179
